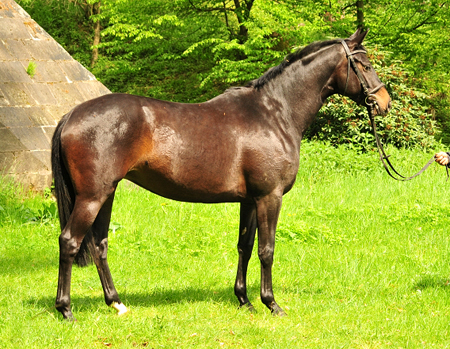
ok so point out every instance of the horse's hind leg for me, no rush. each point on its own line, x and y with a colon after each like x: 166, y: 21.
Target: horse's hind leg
x: 247, y: 229
x: 79, y: 223
x: 99, y: 249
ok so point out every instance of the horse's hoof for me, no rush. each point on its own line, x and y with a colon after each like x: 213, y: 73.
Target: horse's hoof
x: 277, y: 311
x: 120, y: 307
x: 249, y: 307
x: 68, y: 317
x: 66, y: 313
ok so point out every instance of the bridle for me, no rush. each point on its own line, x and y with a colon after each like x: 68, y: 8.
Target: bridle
x: 370, y: 100
x: 369, y: 95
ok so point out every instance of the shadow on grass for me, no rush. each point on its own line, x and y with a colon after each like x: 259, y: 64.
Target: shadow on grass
x: 156, y: 297
x: 432, y: 282
x: 26, y: 263
x: 186, y: 295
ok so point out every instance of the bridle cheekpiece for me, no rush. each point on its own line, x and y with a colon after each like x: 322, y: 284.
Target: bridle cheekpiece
x: 370, y: 97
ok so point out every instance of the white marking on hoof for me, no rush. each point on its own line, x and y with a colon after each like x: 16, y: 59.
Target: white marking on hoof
x: 120, y: 307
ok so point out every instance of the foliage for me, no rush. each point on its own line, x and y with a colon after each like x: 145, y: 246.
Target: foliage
x: 273, y: 32
x: 418, y: 32
x: 144, y: 42
x: 192, y: 50
x: 38, y: 209
x: 410, y: 122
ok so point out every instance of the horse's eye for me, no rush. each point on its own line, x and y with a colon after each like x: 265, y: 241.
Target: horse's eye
x: 366, y: 68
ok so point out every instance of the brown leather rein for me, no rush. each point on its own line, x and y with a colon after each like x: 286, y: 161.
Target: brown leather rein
x: 370, y: 100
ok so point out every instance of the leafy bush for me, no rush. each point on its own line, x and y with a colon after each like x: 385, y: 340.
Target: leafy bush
x: 20, y: 207
x: 440, y: 108
x: 410, y: 122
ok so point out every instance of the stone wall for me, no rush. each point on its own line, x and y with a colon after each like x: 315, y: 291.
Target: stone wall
x: 32, y: 105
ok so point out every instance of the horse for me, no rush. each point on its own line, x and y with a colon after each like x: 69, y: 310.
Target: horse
x: 242, y: 146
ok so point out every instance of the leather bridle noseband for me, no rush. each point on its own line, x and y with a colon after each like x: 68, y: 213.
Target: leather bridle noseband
x: 370, y: 100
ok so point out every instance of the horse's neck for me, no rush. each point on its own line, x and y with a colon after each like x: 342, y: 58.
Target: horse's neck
x: 300, y: 88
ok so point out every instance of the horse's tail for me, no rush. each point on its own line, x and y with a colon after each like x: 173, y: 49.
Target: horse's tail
x: 65, y: 194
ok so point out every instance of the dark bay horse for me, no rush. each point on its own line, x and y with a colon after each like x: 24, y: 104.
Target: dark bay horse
x: 241, y: 146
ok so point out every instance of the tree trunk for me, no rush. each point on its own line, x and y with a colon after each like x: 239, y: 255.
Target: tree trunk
x: 95, y: 11
x: 242, y: 14
x: 360, y: 13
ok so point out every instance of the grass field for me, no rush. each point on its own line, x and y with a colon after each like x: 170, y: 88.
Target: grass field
x: 361, y: 261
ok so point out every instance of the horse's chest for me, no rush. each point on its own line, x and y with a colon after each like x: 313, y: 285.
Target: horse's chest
x: 271, y: 171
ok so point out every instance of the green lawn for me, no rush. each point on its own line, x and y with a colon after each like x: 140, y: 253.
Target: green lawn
x: 361, y: 261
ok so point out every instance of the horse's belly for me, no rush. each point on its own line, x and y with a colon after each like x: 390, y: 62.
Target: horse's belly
x: 190, y: 185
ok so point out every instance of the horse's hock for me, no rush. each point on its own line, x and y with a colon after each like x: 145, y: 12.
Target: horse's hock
x: 39, y: 83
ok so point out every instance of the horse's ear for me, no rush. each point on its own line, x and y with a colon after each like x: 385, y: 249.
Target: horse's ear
x: 358, y: 36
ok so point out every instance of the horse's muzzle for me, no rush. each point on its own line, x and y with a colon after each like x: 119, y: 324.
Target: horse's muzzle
x: 379, y: 103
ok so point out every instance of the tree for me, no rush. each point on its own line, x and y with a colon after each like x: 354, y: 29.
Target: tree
x: 95, y: 14
x: 360, y: 13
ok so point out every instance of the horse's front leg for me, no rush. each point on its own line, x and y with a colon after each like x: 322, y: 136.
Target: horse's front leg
x: 247, y: 230
x: 268, y: 210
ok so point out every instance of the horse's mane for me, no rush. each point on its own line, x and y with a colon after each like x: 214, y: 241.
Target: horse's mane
x: 291, y: 58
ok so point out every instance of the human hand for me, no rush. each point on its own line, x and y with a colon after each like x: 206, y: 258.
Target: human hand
x: 442, y: 158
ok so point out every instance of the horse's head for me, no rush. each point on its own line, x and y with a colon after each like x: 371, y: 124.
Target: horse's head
x: 356, y: 78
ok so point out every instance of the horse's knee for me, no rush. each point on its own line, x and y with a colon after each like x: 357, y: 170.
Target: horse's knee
x: 245, y: 252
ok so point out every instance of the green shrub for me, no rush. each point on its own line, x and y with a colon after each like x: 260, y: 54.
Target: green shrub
x: 440, y: 108
x: 17, y: 206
